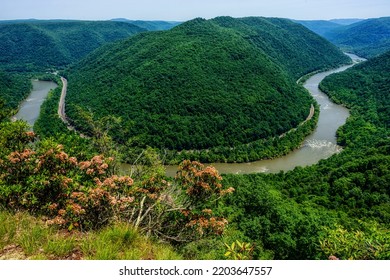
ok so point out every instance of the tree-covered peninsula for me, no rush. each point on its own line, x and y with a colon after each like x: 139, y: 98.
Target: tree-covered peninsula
x: 204, y: 84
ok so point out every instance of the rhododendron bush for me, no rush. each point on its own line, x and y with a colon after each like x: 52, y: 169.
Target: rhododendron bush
x: 82, y: 195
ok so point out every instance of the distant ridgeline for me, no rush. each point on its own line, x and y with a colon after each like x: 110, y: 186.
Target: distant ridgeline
x: 151, y: 25
x: 205, y: 86
x: 366, y: 38
x: 41, y: 45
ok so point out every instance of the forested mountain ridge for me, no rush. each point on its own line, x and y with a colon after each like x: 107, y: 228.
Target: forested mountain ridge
x: 292, y: 46
x: 39, y: 45
x: 322, y: 27
x: 319, y: 26
x: 367, y: 38
x: 201, y: 84
x: 346, y: 21
x: 151, y: 25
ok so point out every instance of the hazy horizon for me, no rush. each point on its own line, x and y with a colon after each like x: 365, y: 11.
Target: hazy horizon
x: 176, y: 10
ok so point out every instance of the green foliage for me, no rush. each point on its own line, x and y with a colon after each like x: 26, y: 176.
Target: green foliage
x: 239, y: 251
x: 45, y: 45
x: 290, y: 45
x: 366, y: 38
x: 368, y: 95
x: 267, y: 217
x: 13, y: 89
x: 267, y: 148
x: 13, y: 137
x: 369, y: 243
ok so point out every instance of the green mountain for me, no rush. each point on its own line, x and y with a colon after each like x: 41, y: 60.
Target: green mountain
x: 346, y: 21
x: 290, y: 45
x: 151, y: 25
x: 366, y: 38
x: 38, y: 45
x: 221, y: 82
x: 320, y: 27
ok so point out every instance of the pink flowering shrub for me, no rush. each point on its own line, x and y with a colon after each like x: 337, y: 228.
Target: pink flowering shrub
x: 83, y: 195
x: 71, y: 194
x: 203, y: 188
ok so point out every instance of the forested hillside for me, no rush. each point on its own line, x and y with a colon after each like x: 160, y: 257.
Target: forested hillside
x: 340, y: 207
x: 13, y: 88
x: 222, y: 82
x: 366, y: 38
x: 42, y: 45
x: 320, y: 27
x: 290, y: 45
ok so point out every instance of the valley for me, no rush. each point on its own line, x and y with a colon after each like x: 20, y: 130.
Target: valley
x: 194, y: 100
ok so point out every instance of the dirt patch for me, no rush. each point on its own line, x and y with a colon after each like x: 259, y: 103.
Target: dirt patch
x: 12, y: 252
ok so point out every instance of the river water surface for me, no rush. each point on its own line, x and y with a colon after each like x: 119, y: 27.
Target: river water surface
x: 30, y: 107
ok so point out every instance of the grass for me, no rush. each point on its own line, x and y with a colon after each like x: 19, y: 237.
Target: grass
x: 23, y: 236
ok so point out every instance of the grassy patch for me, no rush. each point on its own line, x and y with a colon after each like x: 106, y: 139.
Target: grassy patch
x: 25, y: 237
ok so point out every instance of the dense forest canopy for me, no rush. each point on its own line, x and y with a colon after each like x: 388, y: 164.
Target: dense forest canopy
x: 288, y: 44
x: 203, y: 83
x: 370, y: 91
x: 13, y: 88
x: 42, y: 45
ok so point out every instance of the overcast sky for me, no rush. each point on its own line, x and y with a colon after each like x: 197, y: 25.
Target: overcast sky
x: 188, y: 9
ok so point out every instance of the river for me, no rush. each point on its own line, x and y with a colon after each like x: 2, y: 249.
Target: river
x: 30, y: 107
x: 321, y: 144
